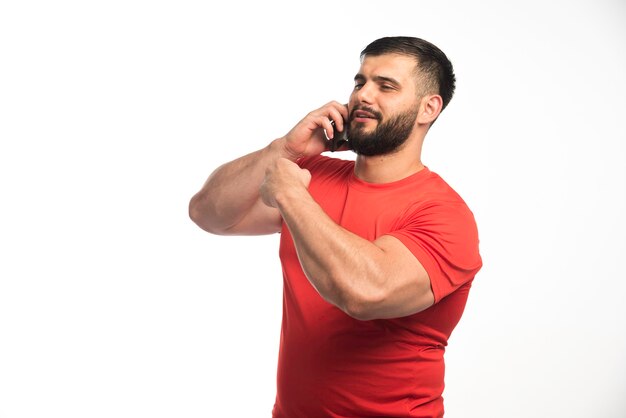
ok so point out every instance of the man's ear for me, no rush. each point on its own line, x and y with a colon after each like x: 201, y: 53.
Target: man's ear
x: 430, y: 108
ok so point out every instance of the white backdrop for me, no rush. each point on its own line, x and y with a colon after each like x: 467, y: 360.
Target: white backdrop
x: 112, y: 114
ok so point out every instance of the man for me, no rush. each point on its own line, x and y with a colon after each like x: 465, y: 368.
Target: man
x: 378, y: 254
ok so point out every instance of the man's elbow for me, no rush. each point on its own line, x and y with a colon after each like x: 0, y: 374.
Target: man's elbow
x: 386, y: 304
x: 200, y: 217
x: 360, y: 313
x: 195, y: 213
x: 364, y: 306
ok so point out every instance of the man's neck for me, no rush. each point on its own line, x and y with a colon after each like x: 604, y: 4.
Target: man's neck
x: 385, y: 169
x: 391, y: 167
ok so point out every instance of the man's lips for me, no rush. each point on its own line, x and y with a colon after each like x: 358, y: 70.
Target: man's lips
x: 363, y: 116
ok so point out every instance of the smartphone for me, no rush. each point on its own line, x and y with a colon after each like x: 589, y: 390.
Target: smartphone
x: 339, y: 138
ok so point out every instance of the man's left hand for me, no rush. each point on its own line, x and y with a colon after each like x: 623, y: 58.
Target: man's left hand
x: 283, y: 177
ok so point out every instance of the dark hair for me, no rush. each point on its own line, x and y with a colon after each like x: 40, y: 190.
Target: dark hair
x: 433, y: 67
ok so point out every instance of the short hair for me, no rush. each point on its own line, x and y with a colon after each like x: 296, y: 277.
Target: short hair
x: 433, y: 67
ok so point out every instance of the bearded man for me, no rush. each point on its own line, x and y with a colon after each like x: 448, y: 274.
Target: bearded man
x: 378, y: 254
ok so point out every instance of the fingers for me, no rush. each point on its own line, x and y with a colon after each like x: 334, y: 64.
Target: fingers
x: 338, y: 113
x: 307, y: 137
x: 305, y: 177
x: 333, y: 118
x: 282, y: 175
x: 328, y: 125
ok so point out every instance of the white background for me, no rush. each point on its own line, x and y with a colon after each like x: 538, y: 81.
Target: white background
x: 112, y: 114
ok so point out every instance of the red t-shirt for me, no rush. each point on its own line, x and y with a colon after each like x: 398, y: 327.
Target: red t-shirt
x: 332, y: 365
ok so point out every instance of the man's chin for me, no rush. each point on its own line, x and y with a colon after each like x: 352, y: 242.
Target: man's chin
x: 361, y: 130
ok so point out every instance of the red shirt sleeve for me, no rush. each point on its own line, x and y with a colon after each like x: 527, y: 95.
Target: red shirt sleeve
x: 444, y: 238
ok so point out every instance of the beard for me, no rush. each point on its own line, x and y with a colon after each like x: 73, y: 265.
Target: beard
x: 388, y: 136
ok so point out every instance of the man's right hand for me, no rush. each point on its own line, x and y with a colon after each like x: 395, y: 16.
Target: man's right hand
x: 307, y: 137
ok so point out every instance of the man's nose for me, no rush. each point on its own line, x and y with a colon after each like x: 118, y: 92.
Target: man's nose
x: 365, y: 94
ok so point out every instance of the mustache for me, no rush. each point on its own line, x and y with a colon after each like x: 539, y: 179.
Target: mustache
x: 376, y: 113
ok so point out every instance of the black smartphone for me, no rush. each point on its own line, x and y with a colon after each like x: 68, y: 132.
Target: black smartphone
x: 339, y: 138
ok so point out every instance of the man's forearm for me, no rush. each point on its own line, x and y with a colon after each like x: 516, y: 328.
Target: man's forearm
x: 230, y: 202
x: 344, y: 268
x: 232, y: 190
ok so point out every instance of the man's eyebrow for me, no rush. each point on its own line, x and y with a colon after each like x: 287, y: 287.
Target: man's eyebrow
x: 378, y: 79
x: 383, y: 79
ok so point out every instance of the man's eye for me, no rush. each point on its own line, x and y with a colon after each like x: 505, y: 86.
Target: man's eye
x: 358, y: 86
x: 386, y: 87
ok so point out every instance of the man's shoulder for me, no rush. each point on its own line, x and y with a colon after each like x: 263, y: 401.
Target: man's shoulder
x: 441, y: 188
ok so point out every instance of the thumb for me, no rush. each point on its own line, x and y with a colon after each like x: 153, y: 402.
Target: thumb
x: 305, y: 176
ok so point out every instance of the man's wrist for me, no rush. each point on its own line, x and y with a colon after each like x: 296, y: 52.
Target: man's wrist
x: 289, y: 197
x: 281, y: 149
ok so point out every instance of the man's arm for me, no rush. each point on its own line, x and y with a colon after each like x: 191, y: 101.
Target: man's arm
x: 367, y: 280
x: 229, y: 202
